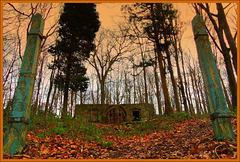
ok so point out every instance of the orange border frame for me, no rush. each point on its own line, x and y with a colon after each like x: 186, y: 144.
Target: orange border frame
x: 109, y: 1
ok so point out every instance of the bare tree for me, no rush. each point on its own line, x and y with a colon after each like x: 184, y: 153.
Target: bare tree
x: 35, y: 105
x: 143, y: 45
x: 49, y: 92
x: 158, y: 94
x: 230, y: 38
x: 110, y: 48
x: 16, y: 21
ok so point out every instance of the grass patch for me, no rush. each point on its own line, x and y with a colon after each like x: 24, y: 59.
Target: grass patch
x: 79, y: 127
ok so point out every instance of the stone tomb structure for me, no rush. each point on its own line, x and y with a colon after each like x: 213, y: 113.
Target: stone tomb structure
x: 113, y: 114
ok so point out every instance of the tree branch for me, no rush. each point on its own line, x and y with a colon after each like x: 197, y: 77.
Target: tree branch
x: 235, y: 36
x: 19, y: 11
x: 227, y: 6
x: 213, y: 39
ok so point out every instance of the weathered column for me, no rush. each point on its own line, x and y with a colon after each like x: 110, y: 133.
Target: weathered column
x: 20, y: 114
x: 217, y: 105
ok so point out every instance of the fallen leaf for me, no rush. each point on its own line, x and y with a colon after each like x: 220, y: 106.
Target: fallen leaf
x: 73, y: 152
x: 74, y: 147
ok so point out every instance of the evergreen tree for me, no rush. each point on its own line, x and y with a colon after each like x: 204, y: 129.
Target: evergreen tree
x: 78, y: 25
x: 155, y: 21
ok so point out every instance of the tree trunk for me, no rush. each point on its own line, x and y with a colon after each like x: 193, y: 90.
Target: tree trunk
x: 190, y: 98
x: 127, y: 88
x: 194, y: 91
x: 98, y: 93
x: 75, y: 101
x: 49, y: 92
x: 92, y: 94
x: 110, y: 91
x: 168, y: 107
x: 72, y: 98
x: 81, y: 97
x: 228, y: 34
x: 54, y: 97
x: 231, y: 77
x: 145, y: 82
x: 187, y: 109
x: 66, y: 87
x: 7, y: 110
x: 204, y: 100
x: 134, y: 85
x: 35, y: 105
x: 197, y: 91
x: 175, y: 91
x: 102, y: 83
x: 157, y: 87
x: 225, y: 91
x: 140, y: 98
x: 181, y: 87
x: 227, y: 59
x: 189, y: 94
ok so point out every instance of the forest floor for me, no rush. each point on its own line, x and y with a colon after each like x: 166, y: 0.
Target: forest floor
x: 179, y: 136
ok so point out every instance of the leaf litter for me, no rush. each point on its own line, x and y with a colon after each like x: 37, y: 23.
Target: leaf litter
x: 183, y: 139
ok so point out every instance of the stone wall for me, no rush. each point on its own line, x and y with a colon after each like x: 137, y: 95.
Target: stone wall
x: 115, y: 113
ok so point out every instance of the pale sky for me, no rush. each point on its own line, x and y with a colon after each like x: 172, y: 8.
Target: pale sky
x: 110, y: 13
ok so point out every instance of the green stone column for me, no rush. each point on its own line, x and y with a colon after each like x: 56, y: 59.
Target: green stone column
x: 217, y: 104
x: 20, y: 113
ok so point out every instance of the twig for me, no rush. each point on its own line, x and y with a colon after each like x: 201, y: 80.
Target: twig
x: 216, y: 151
